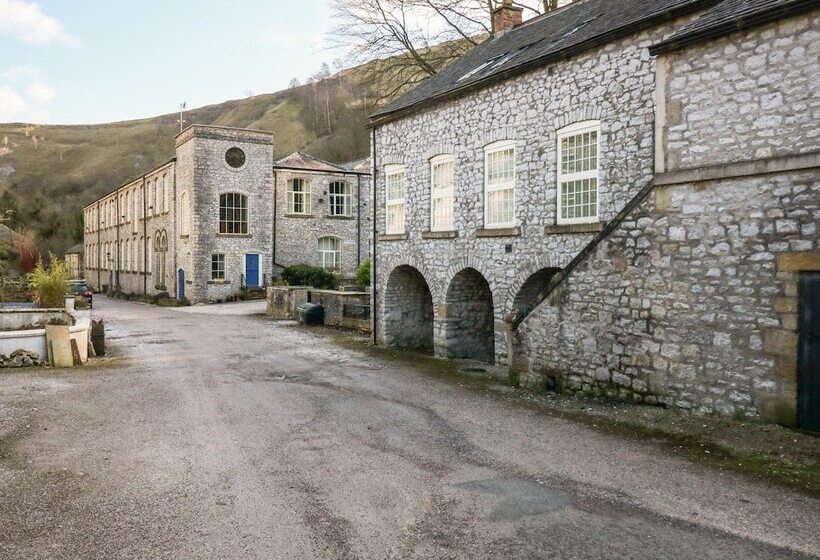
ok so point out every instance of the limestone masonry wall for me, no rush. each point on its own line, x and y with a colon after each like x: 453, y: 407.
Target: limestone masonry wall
x: 753, y: 94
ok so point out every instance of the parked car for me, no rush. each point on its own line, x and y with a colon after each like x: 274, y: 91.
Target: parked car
x: 79, y: 288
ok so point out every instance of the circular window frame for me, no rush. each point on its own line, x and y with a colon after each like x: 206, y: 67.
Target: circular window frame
x: 231, y: 167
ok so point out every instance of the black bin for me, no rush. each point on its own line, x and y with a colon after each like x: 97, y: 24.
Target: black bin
x: 310, y: 314
x: 98, y: 337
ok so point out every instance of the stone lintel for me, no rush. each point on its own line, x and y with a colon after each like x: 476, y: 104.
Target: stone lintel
x: 808, y: 261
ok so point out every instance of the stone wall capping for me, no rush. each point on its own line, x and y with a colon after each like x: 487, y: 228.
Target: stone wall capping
x: 574, y: 228
x: 392, y: 237
x: 498, y: 232
x: 739, y: 169
x: 439, y: 234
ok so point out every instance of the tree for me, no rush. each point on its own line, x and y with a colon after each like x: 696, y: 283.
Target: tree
x: 405, y: 42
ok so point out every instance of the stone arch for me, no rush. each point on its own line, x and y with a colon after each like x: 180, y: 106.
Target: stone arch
x: 524, y: 273
x: 469, y: 322
x: 531, y: 292
x: 408, y: 310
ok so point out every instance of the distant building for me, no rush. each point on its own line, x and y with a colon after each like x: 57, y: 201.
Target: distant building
x: 74, y: 258
x: 222, y: 215
x: 619, y: 197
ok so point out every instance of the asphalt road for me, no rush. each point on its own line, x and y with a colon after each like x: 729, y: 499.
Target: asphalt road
x: 229, y: 436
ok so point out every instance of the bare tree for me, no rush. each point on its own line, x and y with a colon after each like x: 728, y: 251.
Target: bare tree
x: 404, y: 42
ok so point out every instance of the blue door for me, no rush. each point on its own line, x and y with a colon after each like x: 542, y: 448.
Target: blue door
x: 252, y: 271
x: 181, y: 284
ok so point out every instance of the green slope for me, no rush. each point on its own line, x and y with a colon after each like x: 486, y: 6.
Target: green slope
x: 47, y: 173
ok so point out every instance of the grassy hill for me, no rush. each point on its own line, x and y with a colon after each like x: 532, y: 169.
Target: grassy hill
x: 47, y: 173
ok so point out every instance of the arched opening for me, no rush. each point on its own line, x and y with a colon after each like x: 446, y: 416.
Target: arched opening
x: 408, y: 310
x: 531, y: 293
x: 470, y: 327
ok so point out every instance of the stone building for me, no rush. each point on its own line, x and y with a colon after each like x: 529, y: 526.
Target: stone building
x: 74, y: 260
x: 619, y: 197
x: 207, y: 223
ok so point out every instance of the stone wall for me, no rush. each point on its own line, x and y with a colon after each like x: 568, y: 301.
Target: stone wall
x: 684, y: 303
x: 211, y: 177
x: 297, y: 236
x: 750, y: 95
x: 613, y: 84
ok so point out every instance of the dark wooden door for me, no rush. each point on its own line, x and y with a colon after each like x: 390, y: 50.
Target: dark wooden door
x: 808, y: 363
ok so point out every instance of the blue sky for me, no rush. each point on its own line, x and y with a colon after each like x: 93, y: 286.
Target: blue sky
x: 82, y: 61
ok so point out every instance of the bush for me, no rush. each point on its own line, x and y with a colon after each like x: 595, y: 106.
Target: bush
x: 50, y: 284
x: 363, y: 274
x: 306, y: 275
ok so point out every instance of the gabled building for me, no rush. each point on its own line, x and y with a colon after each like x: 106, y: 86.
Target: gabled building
x: 617, y: 198
x: 222, y: 215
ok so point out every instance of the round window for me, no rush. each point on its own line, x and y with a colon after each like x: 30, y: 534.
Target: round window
x: 235, y: 158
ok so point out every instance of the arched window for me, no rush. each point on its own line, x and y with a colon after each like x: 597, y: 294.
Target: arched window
x: 339, y: 199
x: 330, y: 254
x: 160, y: 250
x: 165, y: 193
x: 298, y: 196
x: 578, y: 173
x: 441, y: 193
x: 233, y: 213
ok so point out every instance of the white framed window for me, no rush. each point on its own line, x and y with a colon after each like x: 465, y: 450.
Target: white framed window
x: 298, y: 196
x: 578, y: 172
x: 395, y: 190
x: 233, y: 213
x: 441, y: 193
x: 330, y: 253
x: 499, y: 184
x: 339, y: 198
x: 217, y: 266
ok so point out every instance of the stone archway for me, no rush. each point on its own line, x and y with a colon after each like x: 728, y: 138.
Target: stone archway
x: 531, y: 293
x: 469, y: 323
x: 408, y: 310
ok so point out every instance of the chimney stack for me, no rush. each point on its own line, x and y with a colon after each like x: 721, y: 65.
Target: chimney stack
x: 506, y: 16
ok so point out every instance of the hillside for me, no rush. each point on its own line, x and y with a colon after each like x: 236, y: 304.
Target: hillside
x: 47, y: 173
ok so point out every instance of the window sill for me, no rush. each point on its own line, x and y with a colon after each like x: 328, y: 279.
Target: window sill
x: 592, y: 227
x: 331, y: 217
x: 185, y: 236
x: 247, y: 235
x: 161, y: 288
x: 392, y: 237
x: 219, y: 282
x: 299, y: 215
x: 498, y: 232
x: 439, y: 234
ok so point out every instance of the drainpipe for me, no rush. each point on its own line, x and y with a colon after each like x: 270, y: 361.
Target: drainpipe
x: 374, y: 307
x: 144, y: 240
x: 275, y: 206
x: 117, y: 272
x: 358, y: 221
x: 99, y: 249
x: 174, y: 218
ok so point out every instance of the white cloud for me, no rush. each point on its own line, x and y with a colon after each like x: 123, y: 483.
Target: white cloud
x: 25, y: 96
x: 27, y: 22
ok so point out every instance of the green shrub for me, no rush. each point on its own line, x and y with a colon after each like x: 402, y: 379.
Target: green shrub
x: 306, y: 275
x: 363, y: 274
x: 49, y: 284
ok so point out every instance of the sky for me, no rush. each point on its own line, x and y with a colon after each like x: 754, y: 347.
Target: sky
x: 83, y: 61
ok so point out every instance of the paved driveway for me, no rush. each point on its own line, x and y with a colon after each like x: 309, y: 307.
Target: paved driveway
x: 229, y: 436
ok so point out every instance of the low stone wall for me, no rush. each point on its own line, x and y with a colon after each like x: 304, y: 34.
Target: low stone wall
x: 342, y: 309
x: 283, y: 301
x: 16, y: 319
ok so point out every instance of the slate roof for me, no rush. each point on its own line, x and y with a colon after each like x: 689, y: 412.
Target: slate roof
x: 562, y: 33
x: 358, y: 166
x: 730, y: 16
x: 298, y: 160
x: 76, y: 249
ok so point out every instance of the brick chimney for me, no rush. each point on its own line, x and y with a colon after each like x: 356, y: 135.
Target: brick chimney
x: 506, y: 16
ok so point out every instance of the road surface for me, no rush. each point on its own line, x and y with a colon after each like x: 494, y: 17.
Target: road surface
x: 216, y: 434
